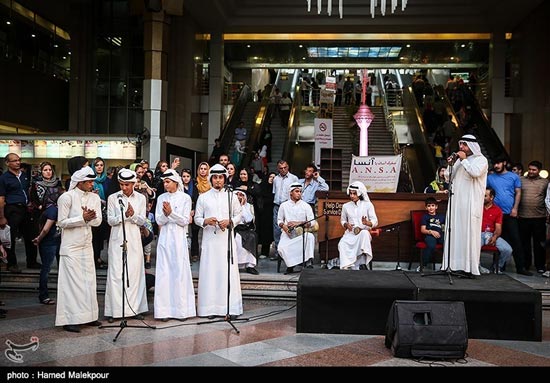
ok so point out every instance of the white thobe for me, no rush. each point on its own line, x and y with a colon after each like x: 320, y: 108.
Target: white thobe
x: 213, y: 282
x: 135, y: 298
x: 354, y: 249
x: 76, y: 281
x: 299, y: 249
x: 174, y: 291
x: 245, y: 257
x: 464, y: 214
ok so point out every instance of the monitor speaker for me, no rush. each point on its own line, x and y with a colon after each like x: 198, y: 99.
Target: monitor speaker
x: 427, y: 329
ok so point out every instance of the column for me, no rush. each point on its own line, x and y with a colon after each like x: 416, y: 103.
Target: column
x: 155, y: 30
x: 500, y: 104
x: 216, y: 85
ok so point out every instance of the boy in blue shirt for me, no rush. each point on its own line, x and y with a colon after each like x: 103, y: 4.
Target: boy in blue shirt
x: 432, y: 228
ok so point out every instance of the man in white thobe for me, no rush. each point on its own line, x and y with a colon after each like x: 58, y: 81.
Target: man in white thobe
x: 468, y: 178
x: 133, y: 207
x: 174, y: 291
x: 358, y: 218
x: 294, y: 218
x: 79, y: 211
x: 246, y: 238
x: 217, y: 211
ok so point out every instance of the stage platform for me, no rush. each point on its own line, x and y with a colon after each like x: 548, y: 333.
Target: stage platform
x: 358, y: 302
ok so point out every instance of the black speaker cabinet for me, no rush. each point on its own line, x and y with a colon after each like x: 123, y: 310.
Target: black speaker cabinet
x: 430, y: 329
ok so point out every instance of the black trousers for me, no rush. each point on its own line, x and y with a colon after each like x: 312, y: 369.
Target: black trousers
x: 21, y: 224
x: 510, y: 233
x: 535, y: 229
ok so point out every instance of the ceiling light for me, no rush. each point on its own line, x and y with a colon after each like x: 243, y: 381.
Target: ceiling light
x: 248, y: 45
x: 373, y: 5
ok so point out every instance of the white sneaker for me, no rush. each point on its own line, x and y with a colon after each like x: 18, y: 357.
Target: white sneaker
x: 546, y: 274
x: 483, y: 270
x: 418, y: 269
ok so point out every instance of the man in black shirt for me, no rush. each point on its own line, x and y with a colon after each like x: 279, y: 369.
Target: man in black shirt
x: 14, y: 192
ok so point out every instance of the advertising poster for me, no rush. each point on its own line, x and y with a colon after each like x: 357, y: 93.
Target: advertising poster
x: 40, y: 149
x: 27, y: 149
x: 380, y: 174
x: 90, y: 149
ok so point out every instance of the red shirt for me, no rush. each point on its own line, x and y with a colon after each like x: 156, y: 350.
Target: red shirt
x: 491, y: 216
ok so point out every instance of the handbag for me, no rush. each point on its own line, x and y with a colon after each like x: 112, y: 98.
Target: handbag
x: 5, y: 237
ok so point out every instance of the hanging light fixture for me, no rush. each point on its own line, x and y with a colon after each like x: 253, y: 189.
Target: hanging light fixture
x: 373, y: 5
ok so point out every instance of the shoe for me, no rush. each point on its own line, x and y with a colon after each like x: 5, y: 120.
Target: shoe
x: 211, y: 317
x: 165, y: 319
x: 483, y: 270
x: 181, y: 319
x: 263, y: 256
x: 195, y: 258
x: 289, y: 270
x: 273, y: 258
x: 525, y: 272
x: 233, y: 317
x: 14, y: 269
x: 139, y: 317
x: 47, y: 301
x: 546, y: 274
x: 252, y: 270
x: 110, y: 319
x: 419, y: 269
x: 541, y: 271
x: 71, y: 328
x: 363, y: 267
x: 94, y: 323
x: 147, y: 265
x: 34, y: 266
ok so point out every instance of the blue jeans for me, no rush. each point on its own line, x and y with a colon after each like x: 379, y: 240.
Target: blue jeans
x: 503, y: 247
x: 427, y: 253
x: 276, y: 228
x: 48, y: 253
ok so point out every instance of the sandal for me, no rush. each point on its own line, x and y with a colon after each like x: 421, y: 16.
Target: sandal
x: 47, y: 301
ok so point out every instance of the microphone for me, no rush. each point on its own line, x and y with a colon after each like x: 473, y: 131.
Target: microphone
x: 228, y: 187
x: 119, y: 196
x: 453, y: 157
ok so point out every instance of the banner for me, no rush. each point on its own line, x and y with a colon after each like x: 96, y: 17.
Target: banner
x: 322, y: 136
x: 380, y: 174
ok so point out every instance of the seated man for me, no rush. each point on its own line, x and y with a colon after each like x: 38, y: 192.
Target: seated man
x: 294, y: 216
x: 358, y: 217
x: 491, y: 225
x: 245, y: 237
x: 432, y: 228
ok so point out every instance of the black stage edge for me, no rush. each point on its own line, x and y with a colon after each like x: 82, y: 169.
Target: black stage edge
x: 497, y: 306
x: 347, y: 301
x: 358, y: 302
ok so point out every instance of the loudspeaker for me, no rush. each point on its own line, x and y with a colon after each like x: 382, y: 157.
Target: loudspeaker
x: 429, y: 329
x: 153, y: 5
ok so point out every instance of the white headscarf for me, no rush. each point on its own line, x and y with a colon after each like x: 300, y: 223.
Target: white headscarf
x: 360, y: 188
x: 217, y: 169
x: 295, y: 185
x: 472, y: 143
x: 173, y: 175
x: 84, y: 174
x: 127, y: 175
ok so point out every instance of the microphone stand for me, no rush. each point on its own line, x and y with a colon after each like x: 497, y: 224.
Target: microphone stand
x: 227, y: 317
x: 125, y: 279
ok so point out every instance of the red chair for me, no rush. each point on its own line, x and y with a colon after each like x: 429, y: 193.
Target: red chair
x: 496, y: 256
x: 416, y: 219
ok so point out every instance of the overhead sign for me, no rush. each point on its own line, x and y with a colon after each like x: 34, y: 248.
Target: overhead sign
x: 379, y: 174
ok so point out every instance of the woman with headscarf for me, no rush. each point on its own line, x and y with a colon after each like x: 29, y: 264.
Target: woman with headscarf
x: 174, y: 292
x: 358, y: 218
x: 44, y: 194
x: 439, y: 185
x: 190, y: 189
x: 100, y: 233
x: 203, y: 185
x: 133, y: 206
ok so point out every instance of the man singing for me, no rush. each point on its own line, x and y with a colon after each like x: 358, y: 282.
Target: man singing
x: 133, y: 205
x: 293, y: 214
x: 216, y: 210
x: 79, y: 211
x: 467, y: 171
x: 358, y: 218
